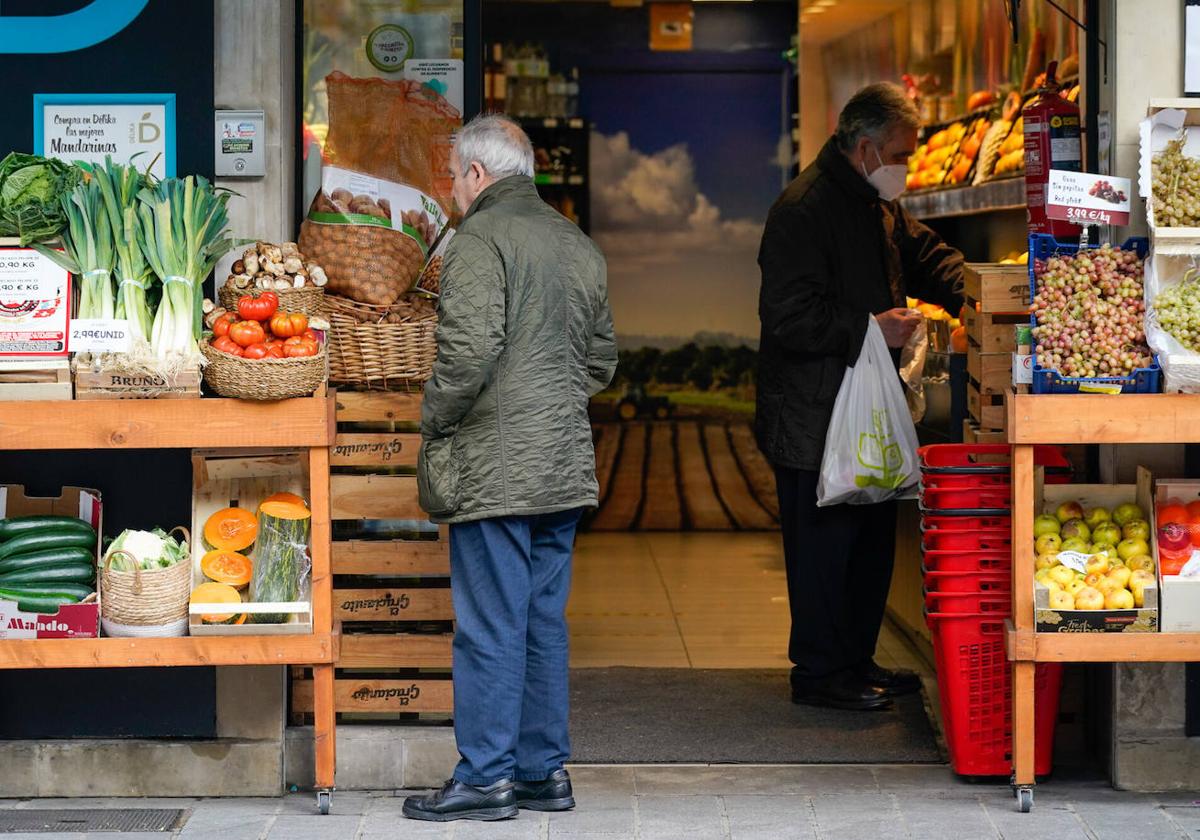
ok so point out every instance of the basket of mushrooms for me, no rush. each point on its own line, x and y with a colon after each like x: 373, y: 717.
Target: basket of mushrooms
x: 297, y: 281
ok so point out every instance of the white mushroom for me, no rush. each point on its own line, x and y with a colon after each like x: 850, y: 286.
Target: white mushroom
x: 250, y: 261
x: 317, y: 275
x: 292, y: 264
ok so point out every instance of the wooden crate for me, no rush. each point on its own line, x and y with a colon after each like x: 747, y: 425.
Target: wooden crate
x: 391, y: 570
x: 987, y: 410
x: 993, y: 332
x: 115, y: 384
x: 997, y: 288
x: 35, y: 379
x: 992, y: 371
x: 972, y: 433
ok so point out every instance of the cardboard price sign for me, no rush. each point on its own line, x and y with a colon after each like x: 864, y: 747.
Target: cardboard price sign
x: 35, y: 299
x: 1088, y: 199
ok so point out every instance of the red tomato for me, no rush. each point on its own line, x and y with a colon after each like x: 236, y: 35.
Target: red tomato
x: 227, y: 345
x: 221, y: 325
x: 259, y: 308
x: 256, y: 351
x: 310, y: 335
x: 275, y: 350
x: 288, y: 324
x: 246, y: 333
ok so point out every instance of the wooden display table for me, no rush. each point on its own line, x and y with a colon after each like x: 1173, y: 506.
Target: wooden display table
x: 1077, y: 419
x: 194, y: 424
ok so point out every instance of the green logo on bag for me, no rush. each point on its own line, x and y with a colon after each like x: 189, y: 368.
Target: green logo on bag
x: 880, y: 453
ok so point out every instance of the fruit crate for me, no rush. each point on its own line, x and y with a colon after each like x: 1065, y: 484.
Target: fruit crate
x: 996, y: 287
x: 391, y: 567
x: 987, y: 410
x: 993, y: 332
x: 1045, y: 381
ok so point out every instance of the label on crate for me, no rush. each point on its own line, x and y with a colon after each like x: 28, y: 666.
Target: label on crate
x: 100, y: 335
x: 1088, y: 199
x: 1022, y: 369
x: 35, y: 299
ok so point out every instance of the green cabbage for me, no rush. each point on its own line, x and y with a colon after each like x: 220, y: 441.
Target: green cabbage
x: 31, y: 191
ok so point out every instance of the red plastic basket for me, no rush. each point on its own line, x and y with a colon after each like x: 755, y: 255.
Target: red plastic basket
x: 951, y: 481
x: 959, y: 562
x: 991, y: 582
x: 969, y: 603
x: 959, y: 521
x: 975, y: 686
x: 987, y: 539
x: 985, y: 458
x: 967, y: 498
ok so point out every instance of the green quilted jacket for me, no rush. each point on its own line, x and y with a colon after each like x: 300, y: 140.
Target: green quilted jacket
x: 524, y: 339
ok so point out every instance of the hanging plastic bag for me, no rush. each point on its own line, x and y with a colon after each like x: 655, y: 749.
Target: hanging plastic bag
x: 912, y: 371
x: 871, y: 447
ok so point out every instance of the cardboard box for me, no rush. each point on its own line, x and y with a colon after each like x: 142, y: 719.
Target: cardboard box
x: 73, y: 621
x: 1180, y: 595
x: 1143, y: 620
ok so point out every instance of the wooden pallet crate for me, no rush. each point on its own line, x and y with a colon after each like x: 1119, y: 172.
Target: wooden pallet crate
x: 35, y: 379
x: 994, y: 332
x: 117, y: 384
x: 972, y: 433
x: 997, y: 288
x: 391, y: 567
x: 992, y: 371
x: 987, y: 410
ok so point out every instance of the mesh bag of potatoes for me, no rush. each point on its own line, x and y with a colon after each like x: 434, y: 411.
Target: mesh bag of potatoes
x: 385, y: 186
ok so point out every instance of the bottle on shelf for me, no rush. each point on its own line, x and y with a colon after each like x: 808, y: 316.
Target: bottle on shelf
x: 496, y: 81
x: 571, y: 105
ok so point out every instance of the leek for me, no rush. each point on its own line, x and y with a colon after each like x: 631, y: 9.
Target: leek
x: 87, y: 249
x: 120, y: 186
x: 182, y: 230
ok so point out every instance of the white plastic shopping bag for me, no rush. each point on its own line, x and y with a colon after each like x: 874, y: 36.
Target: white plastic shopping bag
x: 871, y: 447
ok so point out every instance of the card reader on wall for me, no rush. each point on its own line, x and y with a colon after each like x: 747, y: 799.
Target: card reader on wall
x: 241, y: 144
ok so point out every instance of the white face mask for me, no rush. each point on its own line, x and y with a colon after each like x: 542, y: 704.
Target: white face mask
x: 889, y: 180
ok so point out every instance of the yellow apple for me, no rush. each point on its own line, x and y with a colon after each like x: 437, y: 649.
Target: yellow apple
x: 1045, y: 561
x: 1089, y: 599
x: 1093, y: 579
x: 1137, y: 585
x: 1075, y: 586
x: 1097, y: 564
x: 1042, y: 576
x: 1142, y: 562
x: 1062, y: 575
x: 1107, y: 585
x: 1060, y: 600
x: 1048, y: 544
x: 1120, y: 575
x: 1118, y: 599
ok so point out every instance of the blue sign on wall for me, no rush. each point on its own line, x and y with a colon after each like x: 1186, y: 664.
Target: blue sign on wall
x: 93, y: 24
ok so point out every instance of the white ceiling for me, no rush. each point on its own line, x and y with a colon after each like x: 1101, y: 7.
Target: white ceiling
x: 828, y: 20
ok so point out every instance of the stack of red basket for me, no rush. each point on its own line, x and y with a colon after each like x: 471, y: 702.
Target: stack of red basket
x: 966, y: 534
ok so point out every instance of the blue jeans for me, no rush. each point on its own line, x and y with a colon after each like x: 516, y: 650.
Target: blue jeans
x: 510, y: 578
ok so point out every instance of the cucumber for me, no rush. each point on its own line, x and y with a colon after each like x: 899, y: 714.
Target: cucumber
x: 69, y: 573
x: 78, y: 591
x: 46, y: 557
x: 20, y: 525
x: 42, y: 540
x: 47, y: 604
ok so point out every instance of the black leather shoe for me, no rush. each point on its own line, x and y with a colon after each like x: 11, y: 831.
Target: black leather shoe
x: 552, y: 793
x: 458, y: 801
x: 893, y: 683
x: 844, y: 690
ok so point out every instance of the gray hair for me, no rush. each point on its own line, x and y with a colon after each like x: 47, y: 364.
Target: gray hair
x: 497, y: 144
x: 874, y: 112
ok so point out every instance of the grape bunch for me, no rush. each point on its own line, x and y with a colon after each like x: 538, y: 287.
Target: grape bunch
x: 1178, y: 309
x: 1176, y: 187
x: 1089, y: 311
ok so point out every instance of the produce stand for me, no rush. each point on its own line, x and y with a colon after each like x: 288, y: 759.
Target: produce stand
x: 305, y: 423
x: 1077, y: 419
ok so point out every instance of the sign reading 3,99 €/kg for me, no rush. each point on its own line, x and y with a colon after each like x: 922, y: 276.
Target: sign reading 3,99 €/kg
x: 35, y: 301
x: 1088, y: 199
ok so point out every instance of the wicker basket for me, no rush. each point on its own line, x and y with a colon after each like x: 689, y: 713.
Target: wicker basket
x: 263, y: 379
x: 310, y: 300
x: 367, y: 351
x: 144, y: 598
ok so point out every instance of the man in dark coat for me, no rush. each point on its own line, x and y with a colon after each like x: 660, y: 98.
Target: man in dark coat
x: 837, y: 249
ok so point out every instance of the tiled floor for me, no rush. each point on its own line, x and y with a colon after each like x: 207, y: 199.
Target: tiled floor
x: 687, y: 600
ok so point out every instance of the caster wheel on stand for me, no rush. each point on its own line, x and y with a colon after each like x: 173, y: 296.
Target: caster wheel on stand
x: 1024, y: 799
x: 324, y: 801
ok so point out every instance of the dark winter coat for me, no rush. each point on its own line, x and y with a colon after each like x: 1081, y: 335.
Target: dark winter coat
x: 524, y: 339
x: 832, y: 252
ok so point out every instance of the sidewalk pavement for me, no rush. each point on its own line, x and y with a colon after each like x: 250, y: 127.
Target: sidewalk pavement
x: 828, y: 802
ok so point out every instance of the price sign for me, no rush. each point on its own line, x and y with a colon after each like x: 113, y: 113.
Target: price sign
x: 35, y: 301
x: 1088, y: 199
x: 100, y: 335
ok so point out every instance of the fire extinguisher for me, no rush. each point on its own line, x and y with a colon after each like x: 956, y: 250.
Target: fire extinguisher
x: 1052, y: 141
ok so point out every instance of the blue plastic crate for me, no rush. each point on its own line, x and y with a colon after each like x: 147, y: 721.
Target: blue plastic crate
x: 1045, y: 381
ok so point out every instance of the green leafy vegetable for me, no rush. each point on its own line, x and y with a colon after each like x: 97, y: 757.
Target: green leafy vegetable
x: 31, y: 189
x: 88, y: 249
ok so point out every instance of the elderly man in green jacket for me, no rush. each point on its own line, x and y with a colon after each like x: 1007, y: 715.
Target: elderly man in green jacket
x: 525, y: 338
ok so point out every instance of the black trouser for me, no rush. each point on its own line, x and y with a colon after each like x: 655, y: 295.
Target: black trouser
x: 839, y: 568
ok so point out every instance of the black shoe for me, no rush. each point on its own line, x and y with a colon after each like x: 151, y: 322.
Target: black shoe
x: 894, y: 683
x: 552, y: 793
x: 844, y: 690
x: 458, y: 801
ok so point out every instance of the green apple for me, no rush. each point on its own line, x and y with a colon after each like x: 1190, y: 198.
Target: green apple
x: 1062, y: 576
x: 1143, y: 563
x: 1127, y: 512
x: 1046, y: 524
x: 1045, y: 561
x: 1043, y: 576
x: 1077, y: 544
x: 1136, y: 529
x: 1068, y: 511
x: 1048, y: 544
x: 1106, y: 532
x: 1106, y: 550
x: 1096, y: 516
x: 1075, y: 528
x: 1127, y: 549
